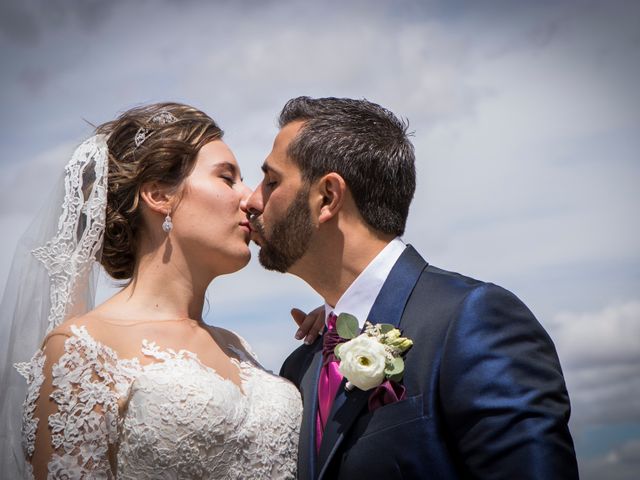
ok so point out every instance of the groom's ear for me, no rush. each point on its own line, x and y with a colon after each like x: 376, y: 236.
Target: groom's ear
x: 332, y: 190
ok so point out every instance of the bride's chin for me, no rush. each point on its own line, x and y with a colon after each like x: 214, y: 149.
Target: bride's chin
x: 227, y: 260
x: 242, y: 260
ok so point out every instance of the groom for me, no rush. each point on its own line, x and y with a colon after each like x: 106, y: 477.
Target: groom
x: 482, y: 395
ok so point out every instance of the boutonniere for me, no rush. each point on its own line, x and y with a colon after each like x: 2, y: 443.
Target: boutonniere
x: 369, y: 358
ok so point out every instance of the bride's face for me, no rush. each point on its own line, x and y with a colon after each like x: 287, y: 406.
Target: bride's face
x: 209, y: 224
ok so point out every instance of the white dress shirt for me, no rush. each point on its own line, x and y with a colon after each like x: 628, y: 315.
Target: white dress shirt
x: 362, y: 293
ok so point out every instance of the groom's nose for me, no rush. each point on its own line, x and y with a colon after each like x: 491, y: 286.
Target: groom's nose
x: 254, y: 204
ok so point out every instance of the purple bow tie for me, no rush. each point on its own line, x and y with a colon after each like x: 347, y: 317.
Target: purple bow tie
x: 330, y: 339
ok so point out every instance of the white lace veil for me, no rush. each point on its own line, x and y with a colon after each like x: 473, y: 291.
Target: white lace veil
x: 52, y: 278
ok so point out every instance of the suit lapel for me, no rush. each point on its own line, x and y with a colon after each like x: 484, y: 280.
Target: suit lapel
x: 387, y: 308
x: 307, y: 457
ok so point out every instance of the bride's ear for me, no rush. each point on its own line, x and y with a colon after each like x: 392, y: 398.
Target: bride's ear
x: 158, y: 197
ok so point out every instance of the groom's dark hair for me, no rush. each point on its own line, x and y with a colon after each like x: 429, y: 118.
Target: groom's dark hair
x: 366, y: 144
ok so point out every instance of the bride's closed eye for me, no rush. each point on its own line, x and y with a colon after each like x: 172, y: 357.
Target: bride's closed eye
x: 230, y: 180
x: 228, y: 172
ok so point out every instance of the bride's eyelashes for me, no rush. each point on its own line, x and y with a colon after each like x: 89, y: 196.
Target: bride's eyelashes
x: 228, y: 172
x: 229, y: 180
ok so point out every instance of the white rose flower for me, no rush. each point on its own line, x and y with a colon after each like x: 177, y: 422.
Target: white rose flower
x: 362, y: 362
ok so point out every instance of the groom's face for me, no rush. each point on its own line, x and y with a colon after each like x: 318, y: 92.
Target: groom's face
x: 279, y: 207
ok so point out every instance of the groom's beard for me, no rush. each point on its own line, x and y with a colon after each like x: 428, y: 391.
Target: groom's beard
x: 290, y: 236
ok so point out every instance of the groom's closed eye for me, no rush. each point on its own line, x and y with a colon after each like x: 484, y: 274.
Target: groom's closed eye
x: 269, y: 182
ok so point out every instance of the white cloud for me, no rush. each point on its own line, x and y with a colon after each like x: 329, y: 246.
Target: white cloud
x: 606, y: 337
x: 600, y: 354
x: 544, y: 170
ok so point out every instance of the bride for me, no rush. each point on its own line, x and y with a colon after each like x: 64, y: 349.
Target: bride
x: 139, y: 387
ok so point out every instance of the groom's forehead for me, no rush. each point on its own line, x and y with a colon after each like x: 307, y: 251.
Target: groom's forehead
x: 281, y: 166
x: 279, y: 161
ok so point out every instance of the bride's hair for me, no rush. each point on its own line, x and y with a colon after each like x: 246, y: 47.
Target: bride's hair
x: 151, y: 143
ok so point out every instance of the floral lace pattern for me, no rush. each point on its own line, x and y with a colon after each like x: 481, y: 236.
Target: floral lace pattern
x: 32, y: 372
x: 69, y: 256
x: 182, y: 419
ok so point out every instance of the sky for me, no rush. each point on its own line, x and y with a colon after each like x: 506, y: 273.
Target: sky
x: 526, y: 121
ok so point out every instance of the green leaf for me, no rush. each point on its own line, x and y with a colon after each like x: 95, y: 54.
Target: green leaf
x: 395, y: 368
x: 385, y: 327
x: 347, y: 326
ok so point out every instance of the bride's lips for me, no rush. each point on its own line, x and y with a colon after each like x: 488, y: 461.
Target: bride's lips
x: 246, y: 226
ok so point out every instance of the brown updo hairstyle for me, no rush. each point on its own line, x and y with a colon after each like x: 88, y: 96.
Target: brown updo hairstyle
x: 167, y: 155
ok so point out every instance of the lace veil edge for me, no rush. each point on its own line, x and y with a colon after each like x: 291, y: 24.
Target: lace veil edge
x: 52, y: 278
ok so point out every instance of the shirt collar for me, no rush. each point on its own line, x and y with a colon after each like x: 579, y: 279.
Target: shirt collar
x: 359, y: 298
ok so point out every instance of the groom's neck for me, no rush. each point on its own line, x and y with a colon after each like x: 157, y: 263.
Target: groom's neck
x: 337, y: 257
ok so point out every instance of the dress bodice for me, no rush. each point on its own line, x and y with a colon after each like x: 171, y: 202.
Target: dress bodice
x: 172, y: 418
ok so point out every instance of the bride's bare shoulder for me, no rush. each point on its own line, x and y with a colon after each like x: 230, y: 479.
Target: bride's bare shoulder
x: 65, y: 328
x: 57, y: 337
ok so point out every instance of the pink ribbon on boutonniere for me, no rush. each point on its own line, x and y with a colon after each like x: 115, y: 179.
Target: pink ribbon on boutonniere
x: 386, y: 393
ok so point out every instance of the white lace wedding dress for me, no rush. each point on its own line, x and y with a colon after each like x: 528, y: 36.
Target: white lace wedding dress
x: 168, y: 417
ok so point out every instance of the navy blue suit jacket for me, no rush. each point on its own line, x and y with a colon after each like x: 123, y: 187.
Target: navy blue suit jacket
x: 485, y: 393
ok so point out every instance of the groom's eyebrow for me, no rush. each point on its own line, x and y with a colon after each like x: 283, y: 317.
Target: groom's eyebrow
x: 266, y: 168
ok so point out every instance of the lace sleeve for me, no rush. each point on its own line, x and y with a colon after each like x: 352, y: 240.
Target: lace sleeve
x: 74, y: 383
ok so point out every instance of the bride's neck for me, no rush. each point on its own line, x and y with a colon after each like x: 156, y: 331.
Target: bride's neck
x: 164, y: 289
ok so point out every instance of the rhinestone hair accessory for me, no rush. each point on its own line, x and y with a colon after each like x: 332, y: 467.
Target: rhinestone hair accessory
x: 163, y: 117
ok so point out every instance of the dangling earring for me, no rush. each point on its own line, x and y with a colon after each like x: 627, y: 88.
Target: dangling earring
x: 167, y: 225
